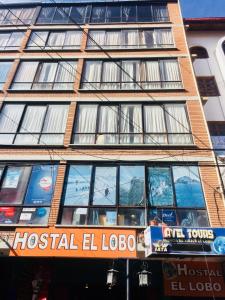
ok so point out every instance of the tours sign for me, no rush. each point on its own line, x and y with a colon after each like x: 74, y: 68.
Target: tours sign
x: 184, y: 241
x: 59, y: 242
x: 193, y: 279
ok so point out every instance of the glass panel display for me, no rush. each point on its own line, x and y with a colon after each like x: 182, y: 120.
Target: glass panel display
x: 41, y: 185
x: 131, y: 217
x: 74, y: 216
x: 188, y: 187
x: 162, y: 217
x: 78, y: 185
x: 105, y: 186
x: 102, y: 216
x: 160, y: 187
x: 14, y: 185
x: 9, y: 215
x: 192, y: 218
x: 131, y: 185
x: 38, y: 216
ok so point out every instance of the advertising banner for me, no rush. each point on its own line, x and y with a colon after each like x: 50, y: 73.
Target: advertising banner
x: 184, y: 241
x: 193, y: 279
x: 61, y: 242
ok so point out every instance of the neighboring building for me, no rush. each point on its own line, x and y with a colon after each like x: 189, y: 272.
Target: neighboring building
x: 102, y: 133
x: 206, y: 40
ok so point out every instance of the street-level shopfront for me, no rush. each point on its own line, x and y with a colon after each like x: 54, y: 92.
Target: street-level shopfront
x: 66, y: 263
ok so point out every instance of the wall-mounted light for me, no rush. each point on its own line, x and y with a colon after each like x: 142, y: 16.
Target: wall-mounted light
x: 144, y: 276
x: 111, y: 277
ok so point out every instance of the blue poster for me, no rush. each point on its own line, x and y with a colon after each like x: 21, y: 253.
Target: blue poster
x: 170, y: 240
x: 41, y: 185
x: 160, y: 186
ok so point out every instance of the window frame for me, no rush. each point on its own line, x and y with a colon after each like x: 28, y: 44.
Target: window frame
x: 140, y: 46
x: 19, y: 124
x: 146, y: 207
x: 40, y: 66
x: 14, y: 48
x: 143, y: 132
x: 142, y: 64
x: 19, y: 21
x: 88, y: 15
x: 52, y: 48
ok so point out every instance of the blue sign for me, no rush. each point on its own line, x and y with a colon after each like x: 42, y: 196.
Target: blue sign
x: 184, y: 241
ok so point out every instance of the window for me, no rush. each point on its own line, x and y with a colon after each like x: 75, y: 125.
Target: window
x: 104, y: 13
x: 60, y: 40
x: 26, y: 193
x: 11, y: 40
x: 217, y: 132
x: 200, y: 52
x: 63, y: 14
x: 132, y: 124
x: 130, y: 38
x: 223, y: 46
x: 46, y: 75
x: 131, y: 74
x: 22, y: 124
x: 207, y: 86
x: 4, y: 70
x: 133, y: 195
x: 17, y: 16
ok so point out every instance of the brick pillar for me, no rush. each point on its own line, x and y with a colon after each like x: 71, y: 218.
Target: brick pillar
x: 69, y: 124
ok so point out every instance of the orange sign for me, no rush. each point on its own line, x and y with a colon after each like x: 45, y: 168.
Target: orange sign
x: 58, y: 242
x: 193, y: 279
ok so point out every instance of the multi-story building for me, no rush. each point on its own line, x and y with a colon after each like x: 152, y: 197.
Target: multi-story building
x: 206, y: 40
x: 102, y: 134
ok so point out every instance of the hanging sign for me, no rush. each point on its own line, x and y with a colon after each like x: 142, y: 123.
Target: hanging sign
x: 184, y: 241
x: 61, y: 242
x: 193, y: 279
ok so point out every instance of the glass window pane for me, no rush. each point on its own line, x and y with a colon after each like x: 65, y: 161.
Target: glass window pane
x: 9, y: 215
x: 65, y: 75
x: 78, y: 14
x: 38, y: 216
x: 15, y: 40
x: 33, y: 119
x: 113, y: 13
x: 41, y: 185
x: 160, y: 13
x: 56, y: 40
x: 72, y: 40
x: 3, y: 13
x: 46, y: 15
x: 14, y: 185
x: 98, y: 14
x: 4, y: 37
x: 74, y: 216
x: 55, y: 120
x: 129, y: 13
x: 77, y: 185
x: 4, y: 70
x: 12, y: 17
x: 85, y: 124
x: 25, y: 75
x: 26, y: 16
x: 192, y: 218
x: 131, y: 217
x: 144, y: 12
x: 132, y: 186
x: 188, y: 187
x: 61, y: 15
x: 160, y: 217
x: 160, y: 187
x: 10, y: 117
x: 102, y: 216
x: 37, y: 39
x: 105, y: 186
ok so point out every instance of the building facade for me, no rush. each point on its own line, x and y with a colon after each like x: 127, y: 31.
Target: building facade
x: 206, y: 40
x: 102, y: 134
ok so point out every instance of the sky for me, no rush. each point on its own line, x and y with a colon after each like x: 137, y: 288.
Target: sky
x: 190, y: 8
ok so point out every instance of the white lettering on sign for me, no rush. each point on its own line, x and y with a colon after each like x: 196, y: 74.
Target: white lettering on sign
x: 113, y: 242
x: 185, y: 271
x: 205, y: 286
